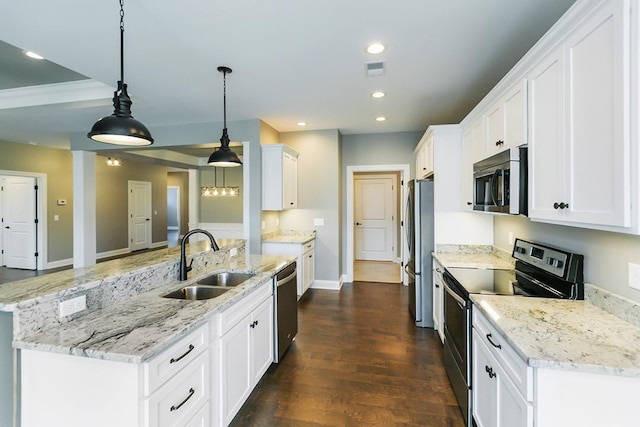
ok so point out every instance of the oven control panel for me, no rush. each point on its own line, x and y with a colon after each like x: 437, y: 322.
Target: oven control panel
x: 554, y: 261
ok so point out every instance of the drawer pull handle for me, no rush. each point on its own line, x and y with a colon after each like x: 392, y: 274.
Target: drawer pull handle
x: 191, y: 393
x: 492, y: 343
x: 490, y: 371
x: 191, y: 347
x: 253, y: 324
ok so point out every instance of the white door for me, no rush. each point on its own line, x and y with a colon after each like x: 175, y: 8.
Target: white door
x: 375, y: 211
x: 20, y: 223
x: 139, y: 215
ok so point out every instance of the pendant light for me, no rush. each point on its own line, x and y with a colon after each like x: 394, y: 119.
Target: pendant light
x: 224, y: 156
x: 121, y: 128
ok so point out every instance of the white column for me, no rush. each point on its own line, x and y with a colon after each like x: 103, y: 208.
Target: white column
x: 84, y: 208
x: 194, y: 198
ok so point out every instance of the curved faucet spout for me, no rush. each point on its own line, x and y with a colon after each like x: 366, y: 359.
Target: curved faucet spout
x: 183, y: 257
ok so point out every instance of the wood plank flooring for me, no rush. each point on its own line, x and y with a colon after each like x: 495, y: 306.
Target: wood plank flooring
x: 376, y: 271
x: 358, y: 360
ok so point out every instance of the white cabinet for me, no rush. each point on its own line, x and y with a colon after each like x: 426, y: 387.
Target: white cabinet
x: 506, y: 120
x: 579, y: 123
x: 246, y: 349
x: 502, y: 383
x: 306, y: 260
x: 171, y: 389
x: 438, y: 299
x: 279, y: 177
x: 473, y: 149
x: 424, y: 157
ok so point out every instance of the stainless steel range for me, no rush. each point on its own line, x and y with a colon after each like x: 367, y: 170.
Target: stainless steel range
x: 540, y: 271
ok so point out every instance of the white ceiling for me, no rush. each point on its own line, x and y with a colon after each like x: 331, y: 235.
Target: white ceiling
x: 292, y: 60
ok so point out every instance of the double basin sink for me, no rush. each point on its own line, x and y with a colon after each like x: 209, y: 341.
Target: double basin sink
x: 210, y: 286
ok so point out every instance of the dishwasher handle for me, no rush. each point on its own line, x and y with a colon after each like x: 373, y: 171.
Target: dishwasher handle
x: 288, y: 278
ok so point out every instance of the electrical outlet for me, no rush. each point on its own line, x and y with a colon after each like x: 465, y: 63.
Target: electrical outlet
x: 511, y: 237
x: 319, y: 222
x: 73, y: 305
x: 634, y: 276
x: 233, y: 252
x: 264, y: 224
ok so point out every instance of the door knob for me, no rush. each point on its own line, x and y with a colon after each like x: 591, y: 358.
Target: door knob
x: 7, y: 227
x: 357, y: 223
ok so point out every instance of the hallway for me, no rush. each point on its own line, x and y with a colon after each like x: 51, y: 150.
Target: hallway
x: 358, y: 360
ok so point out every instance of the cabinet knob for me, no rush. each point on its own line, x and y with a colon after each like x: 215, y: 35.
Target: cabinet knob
x: 499, y: 143
x: 469, y: 203
x: 489, y: 371
x: 561, y: 205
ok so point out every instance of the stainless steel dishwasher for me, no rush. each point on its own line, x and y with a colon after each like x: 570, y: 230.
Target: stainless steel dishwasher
x: 285, y: 310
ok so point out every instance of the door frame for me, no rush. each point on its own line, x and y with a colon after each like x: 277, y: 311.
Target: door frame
x: 395, y: 184
x: 149, y: 230
x: 405, y: 175
x: 41, y: 211
x: 178, y: 206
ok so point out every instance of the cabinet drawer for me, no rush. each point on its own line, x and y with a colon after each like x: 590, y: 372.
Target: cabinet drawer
x: 242, y: 308
x: 178, y: 401
x: 308, y: 246
x: 201, y: 418
x: 516, y: 369
x: 169, y: 362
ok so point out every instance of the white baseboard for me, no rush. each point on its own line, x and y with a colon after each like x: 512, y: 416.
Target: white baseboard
x: 59, y: 263
x: 334, y: 285
x: 172, y: 227
x: 115, y: 252
x: 223, y: 230
x: 155, y: 245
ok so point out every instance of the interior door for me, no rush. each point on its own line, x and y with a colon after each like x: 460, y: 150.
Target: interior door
x: 20, y: 223
x: 139, y: 215
x: 374, y: 209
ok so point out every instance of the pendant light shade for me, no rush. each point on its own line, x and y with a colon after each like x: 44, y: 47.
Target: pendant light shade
x: 121, y: 128
x: 224, y: 156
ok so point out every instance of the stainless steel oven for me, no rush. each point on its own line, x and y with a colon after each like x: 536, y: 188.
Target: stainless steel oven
x: 457, y: 347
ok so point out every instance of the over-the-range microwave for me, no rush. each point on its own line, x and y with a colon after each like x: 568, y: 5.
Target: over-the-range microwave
x: 500, y: 182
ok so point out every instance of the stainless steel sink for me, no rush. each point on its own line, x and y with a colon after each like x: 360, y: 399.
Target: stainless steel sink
x: 226, y: 279
x: 196, y: 292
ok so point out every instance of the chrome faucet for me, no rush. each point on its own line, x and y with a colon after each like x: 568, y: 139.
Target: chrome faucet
x: 183, y: 257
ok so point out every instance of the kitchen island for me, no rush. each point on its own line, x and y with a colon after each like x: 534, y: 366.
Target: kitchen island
x: 126, y: 331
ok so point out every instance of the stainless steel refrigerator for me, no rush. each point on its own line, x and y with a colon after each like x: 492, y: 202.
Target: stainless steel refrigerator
x: 420, y: 240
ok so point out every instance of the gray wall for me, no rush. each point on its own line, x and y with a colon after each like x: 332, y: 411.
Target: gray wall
x: 57, y: 165
x: 606, y: 254
x: 318, y: 196
x: 112, y: 202
x: 374, y: 149
x: 221, y: 209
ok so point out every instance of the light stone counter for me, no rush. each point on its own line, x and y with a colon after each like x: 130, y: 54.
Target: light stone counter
x: 289, y: 236
x: 567, y: 335
x: 141, y: 326
x: 474, y: 256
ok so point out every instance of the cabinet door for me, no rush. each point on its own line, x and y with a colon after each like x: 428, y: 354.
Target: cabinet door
x: 494, y: 122
x: 485, y: 385
x: 438, y: 300
x: 546, y: 129
x: 235, y: 369
x: 513, y: 409
x: 515, y: 115
x: 597, y: 134
x: 467, y: 170
x: 308, y: 269
x: 290, y: 182
x: 261, y: 340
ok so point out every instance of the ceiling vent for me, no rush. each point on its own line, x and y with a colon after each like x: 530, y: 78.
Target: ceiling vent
x: 375, y: 68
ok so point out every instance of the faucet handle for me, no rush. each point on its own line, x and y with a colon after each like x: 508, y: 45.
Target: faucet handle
x: 190, y: 265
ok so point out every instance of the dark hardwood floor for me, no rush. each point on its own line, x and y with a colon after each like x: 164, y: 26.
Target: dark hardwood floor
x: 358, y: 360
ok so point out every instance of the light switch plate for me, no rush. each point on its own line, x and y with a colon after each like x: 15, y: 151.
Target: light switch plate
x: 318, y: 222
x: 634, y: 276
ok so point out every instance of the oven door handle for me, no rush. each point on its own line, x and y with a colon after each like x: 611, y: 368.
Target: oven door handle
x: 461, y: 302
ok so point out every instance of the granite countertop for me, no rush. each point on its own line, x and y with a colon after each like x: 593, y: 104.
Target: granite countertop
x: 49, y: 286
x: 467, y: 256
x: 142, y: 326
x: 289, y: 236
x: 563, y: 334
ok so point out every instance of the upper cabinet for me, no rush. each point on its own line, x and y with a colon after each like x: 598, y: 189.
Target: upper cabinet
x: 279, y: 177
x: 424, y: 157
x: 473, y: 148
x: 579, y: 124
x: 506, y: 121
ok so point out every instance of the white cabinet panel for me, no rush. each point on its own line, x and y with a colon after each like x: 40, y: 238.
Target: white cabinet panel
x: 305, y: 262
x: 279, y: 177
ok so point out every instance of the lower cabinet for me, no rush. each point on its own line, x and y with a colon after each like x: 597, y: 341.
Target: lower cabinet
x: 246, y: 349
x: 306, y: 260
x: 501, y: 383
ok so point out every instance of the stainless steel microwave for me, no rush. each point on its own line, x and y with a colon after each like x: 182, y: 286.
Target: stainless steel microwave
x: 500, y: 183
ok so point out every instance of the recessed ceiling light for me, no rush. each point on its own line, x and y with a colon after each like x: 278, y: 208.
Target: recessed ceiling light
x: 378, y: 94
x: 381, y: 119
x: 302, y: 123
x: 33, y: 55
x: 375, y: 48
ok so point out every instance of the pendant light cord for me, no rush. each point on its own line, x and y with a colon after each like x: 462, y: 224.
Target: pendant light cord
x: 224, y: 96
x: 122, y: 41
